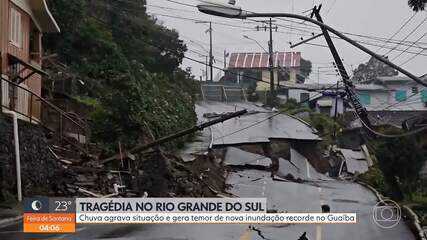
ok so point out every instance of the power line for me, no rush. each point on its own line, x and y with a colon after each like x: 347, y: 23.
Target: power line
x: 412, y: 58
x: 311, y: 27
x: 195, y: 20
x: 398, y: 31
x: 180, y: 3
x: 410, y: 133
x: 249, y: 28
x: 332, y: 5
x: 408, y: 35
x: 273, y: 116
x: 409, y: 47
x: 169, y: 8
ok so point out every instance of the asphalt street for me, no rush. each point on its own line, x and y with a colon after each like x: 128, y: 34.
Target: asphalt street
x: 306, y: 196
x: 281, y: 196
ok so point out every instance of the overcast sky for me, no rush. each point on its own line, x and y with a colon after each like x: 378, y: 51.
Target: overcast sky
x: 372, y: 18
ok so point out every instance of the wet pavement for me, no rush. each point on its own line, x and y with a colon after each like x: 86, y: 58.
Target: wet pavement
x: 282, y: 196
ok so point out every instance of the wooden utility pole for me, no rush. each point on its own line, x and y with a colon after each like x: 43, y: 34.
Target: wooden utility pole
x: 271, y: 64
x: 179, y: 134
x: 207, y: 70
x: 211, y: 57
x: 271, y: 58
x: 210, y: 51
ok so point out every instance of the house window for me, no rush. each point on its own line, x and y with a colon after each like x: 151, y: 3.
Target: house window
x: 424, y: 95
x: 415, y: 90
x: 304, y: 97
x: 400, y: 96
x: 365, y: 99
x: 15, y: 27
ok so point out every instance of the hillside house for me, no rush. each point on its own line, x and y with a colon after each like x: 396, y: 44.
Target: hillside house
x: 22, y: 24
x: 245, y: 68
x: 393, y: 94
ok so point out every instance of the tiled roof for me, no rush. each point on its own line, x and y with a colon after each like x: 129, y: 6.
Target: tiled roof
x: 260, y: 60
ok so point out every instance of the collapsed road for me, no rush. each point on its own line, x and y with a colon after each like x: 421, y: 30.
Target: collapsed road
x: 296, y: 185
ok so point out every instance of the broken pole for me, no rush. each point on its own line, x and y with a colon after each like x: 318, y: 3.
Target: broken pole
x: 182, y: 133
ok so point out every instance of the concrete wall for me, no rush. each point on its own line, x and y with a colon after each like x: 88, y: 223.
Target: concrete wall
x: 37, y: 164
x: 296, y: 94
x: 265, y: 85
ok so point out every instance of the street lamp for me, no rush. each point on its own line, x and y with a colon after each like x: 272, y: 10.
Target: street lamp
x: 229, y: 11
x: 259, y: 44
x: 220, y: 10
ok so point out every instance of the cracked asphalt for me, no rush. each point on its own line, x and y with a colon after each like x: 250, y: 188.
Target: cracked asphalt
x: 305, y: 197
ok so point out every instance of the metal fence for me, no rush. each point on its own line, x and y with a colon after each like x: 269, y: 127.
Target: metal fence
x: 223, y: 93
x: 32, y: 108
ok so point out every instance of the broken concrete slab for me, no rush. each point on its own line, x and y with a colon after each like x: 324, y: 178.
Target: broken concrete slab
x: 235, y: 156
x: 261, y: 128
x: 299, y: 167
x: 355, y: 161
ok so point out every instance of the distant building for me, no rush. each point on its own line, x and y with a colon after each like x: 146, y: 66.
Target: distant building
x: 22, y: 24
x: 319, y: 97
x: 392, y: 94
x: 391, y: 100
x: 246, y: 68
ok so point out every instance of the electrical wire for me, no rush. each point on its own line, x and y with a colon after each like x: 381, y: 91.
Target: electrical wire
x: 400, y: 54
x: 398, y: 31
x: 408, y: 35
x: 412, y: 58
x: 312, y: 27
x: 274, y: 115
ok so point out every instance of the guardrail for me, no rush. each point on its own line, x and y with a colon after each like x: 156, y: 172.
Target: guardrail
x: 32, y: 107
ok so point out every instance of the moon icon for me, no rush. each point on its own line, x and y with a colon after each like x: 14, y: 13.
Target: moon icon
x: 36, y: 205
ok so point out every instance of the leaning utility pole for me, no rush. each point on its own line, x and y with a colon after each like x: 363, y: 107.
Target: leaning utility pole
x: 179, y: 134
x: 348, y: 85
x: 336, y: 111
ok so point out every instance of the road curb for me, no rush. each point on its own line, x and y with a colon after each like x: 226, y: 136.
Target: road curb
x: 413, y: 223
x: 379, y: 196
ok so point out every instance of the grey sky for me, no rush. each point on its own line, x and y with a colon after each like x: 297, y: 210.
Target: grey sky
x: 375, y: 18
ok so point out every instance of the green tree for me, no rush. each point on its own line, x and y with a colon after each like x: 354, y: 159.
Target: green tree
x: 372, y: 69
x: 129, y: 65
x: 400, y: 160
x: 305, y: 70
x: 417, y: 5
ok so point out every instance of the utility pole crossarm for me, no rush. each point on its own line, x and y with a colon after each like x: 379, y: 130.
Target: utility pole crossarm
x: 306, y: 40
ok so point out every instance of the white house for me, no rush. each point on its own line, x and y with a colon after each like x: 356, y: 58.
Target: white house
x: 395, y: 93
x: 320, y: 98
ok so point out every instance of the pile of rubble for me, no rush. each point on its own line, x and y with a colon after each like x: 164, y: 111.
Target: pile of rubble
x: 152, y: 173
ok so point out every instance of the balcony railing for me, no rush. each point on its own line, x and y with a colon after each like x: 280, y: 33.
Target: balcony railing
x: 33, y: 108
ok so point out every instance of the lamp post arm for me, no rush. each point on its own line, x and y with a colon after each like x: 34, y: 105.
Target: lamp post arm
x: 245, y: 15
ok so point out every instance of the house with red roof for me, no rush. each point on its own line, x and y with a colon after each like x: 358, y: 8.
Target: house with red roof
x: 254, y: 68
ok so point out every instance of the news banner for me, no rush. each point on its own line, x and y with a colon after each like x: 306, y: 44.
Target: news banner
x: 61, y: 215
